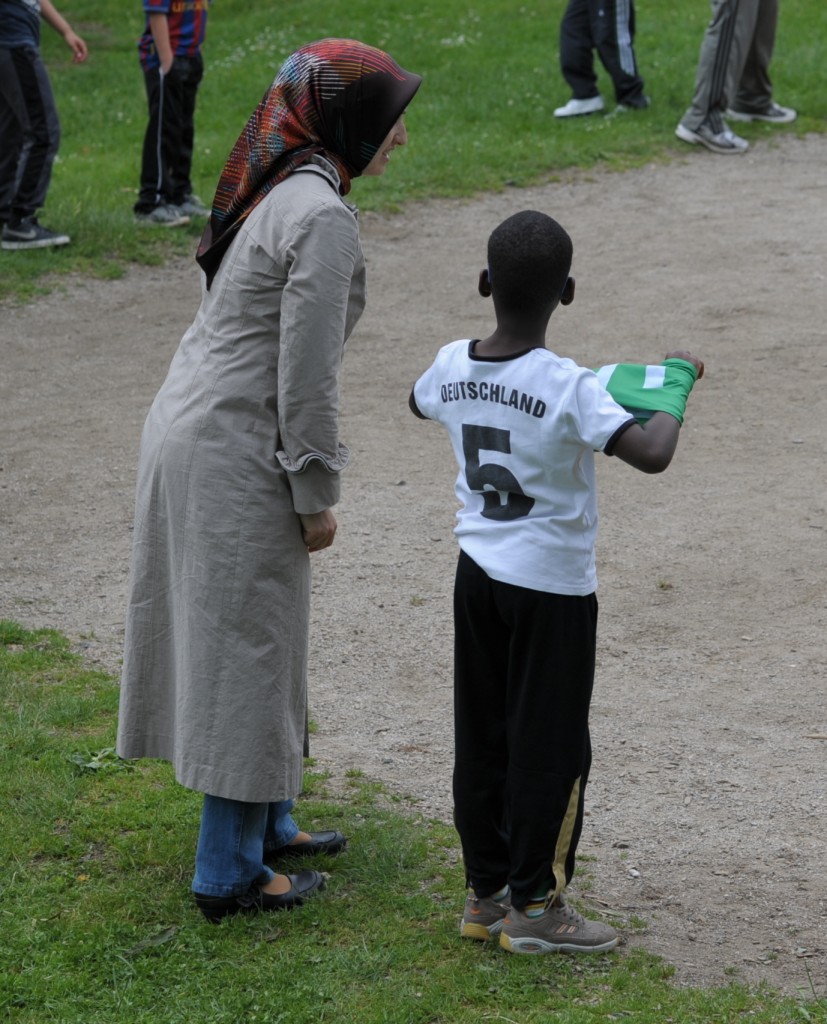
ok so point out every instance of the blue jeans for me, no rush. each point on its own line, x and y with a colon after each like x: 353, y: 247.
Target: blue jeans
x: 234, y: 835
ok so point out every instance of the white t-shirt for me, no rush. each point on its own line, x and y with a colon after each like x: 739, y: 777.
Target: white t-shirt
x: 524, y: 431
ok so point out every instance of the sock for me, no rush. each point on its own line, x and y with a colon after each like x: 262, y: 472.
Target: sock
x: 501, y: 894
x: 537, y: 904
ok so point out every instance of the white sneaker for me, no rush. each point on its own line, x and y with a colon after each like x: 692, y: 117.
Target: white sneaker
x: 774, y: 114
x: 725, y: 141
x: 575, y: 108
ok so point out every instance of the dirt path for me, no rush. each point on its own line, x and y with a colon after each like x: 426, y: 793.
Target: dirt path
x: 707, y: 806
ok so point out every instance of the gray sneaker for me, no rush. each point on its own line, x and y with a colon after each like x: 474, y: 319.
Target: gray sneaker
x: 559, y: 929
x: 164, y: 217
x: 774, y: 114
x: 28, y: 234
x: 193, y: 207
x: 483, y: 918
x: 724, y: 141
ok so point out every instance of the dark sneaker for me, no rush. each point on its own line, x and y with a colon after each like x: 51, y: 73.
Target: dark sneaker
x: 559, y: 929
x: 163, y: 217
x: 483, y: 918
x: 641, y: 103
x: 193, y: 207
x: 28, y: 234
x: 774, y: 114
x: 724, y: 141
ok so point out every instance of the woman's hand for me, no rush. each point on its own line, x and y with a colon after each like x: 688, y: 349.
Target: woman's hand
x: 318, y: 529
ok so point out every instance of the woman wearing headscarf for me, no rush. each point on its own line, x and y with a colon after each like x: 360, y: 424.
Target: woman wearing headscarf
x: 239, y: 469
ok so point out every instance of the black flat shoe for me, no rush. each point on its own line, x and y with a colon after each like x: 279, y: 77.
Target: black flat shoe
x: 319, y: 842
x: 216, y: 908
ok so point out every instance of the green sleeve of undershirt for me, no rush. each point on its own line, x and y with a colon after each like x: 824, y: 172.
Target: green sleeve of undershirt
x: 643, y: 390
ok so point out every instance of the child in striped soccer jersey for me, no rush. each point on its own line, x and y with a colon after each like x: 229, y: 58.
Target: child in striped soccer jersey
x: 525, y: 424
x: 170, y: 55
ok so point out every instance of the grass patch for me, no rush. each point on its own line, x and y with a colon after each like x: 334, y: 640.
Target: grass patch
x: 483, y: 119
x: 99, y: 927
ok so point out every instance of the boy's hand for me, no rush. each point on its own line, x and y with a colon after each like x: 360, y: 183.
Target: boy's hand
x: 689, y: 358
x: 78, y: 47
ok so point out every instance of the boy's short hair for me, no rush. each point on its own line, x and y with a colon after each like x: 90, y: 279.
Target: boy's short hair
x: 529, y: 259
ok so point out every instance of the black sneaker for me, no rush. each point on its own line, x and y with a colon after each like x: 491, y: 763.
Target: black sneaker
x: 28, y: 234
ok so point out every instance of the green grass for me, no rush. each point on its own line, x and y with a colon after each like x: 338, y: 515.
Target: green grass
x: 98, y: 925
x: 483, y: 118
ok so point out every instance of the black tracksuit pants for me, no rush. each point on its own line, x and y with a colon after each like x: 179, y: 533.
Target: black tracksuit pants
x: 524, y: 670
x: 166, y: 161
x: 607, y: 26
x: 29, y: 133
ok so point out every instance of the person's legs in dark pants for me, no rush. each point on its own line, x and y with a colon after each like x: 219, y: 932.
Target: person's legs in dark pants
x: 161, y: 140
x: 613, y: 31
x: 577, y: 50
x: 190, y: 71
x: 13, y: 118
x: 480, y: 724
x: 551, y: 674
x: 150, y: 193
x: 524, y: 675
x: 30, y: 131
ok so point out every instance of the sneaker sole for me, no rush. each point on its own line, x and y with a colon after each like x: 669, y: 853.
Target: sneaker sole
x: 480, y: 932
x: 734, y: 115
x: 579, y: 113
x: 38, y: 243
x: 536, y: 946
x: 687, y: 135
x: 180, y: 223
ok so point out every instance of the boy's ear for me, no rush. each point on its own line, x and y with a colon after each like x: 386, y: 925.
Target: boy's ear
x: 567, y: 297
x: 485, y: 284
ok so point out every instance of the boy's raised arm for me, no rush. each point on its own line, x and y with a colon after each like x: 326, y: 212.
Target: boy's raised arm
x: 650, y: 446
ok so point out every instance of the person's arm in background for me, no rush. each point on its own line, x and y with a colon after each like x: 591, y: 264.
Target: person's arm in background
x: 53, y: 17
x: 159, y: 27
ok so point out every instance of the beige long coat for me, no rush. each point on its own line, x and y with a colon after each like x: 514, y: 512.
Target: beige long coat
x: 242, y: 436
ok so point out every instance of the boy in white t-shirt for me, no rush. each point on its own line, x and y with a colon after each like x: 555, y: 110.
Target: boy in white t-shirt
x: 525, y: 424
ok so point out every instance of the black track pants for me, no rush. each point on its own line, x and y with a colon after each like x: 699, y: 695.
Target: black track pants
x: 524, y: 670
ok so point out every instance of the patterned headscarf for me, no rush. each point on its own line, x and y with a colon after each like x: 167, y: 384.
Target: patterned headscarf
x: 337, y: 97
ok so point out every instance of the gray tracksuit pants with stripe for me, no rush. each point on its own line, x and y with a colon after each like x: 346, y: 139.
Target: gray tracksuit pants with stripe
x: 734, y: 61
